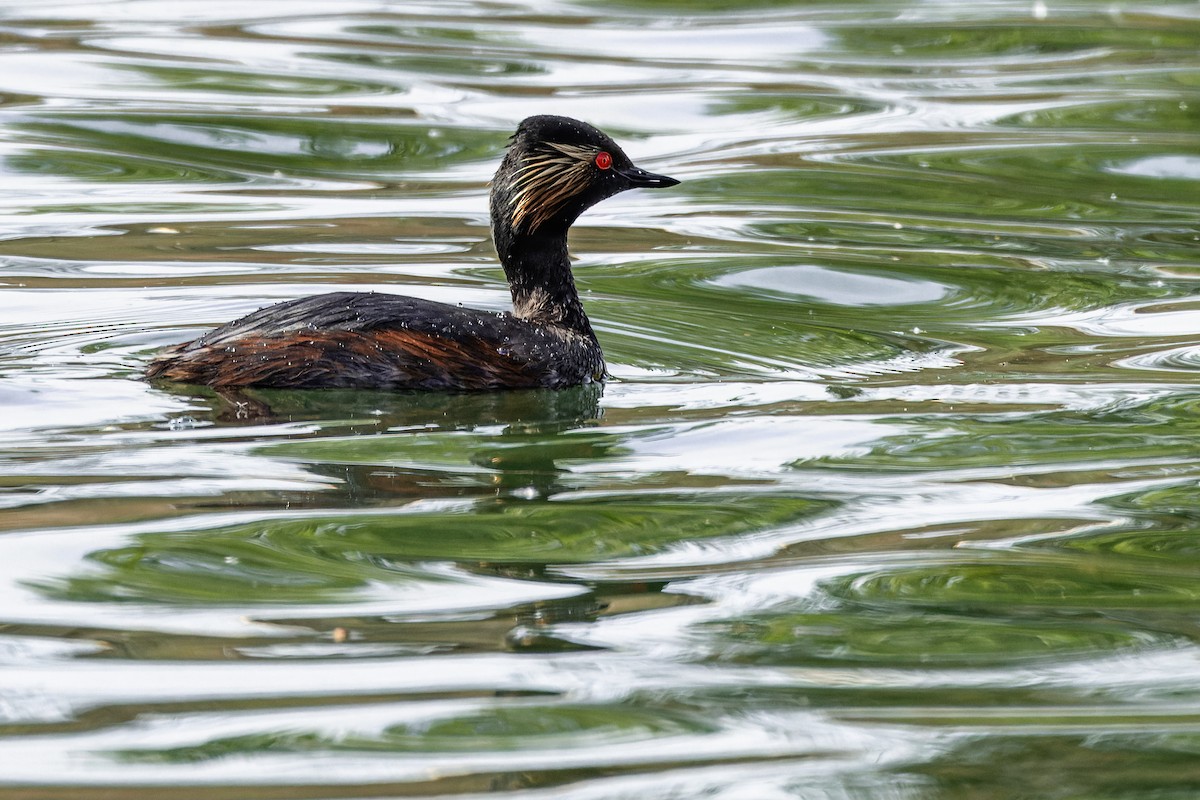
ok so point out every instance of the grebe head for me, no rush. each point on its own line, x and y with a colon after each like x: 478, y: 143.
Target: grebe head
x: 555, y: 169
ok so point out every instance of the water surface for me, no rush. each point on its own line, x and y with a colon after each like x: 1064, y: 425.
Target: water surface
x: 892, y: 493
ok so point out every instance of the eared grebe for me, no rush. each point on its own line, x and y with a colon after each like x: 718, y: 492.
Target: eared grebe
x: 554, y: 169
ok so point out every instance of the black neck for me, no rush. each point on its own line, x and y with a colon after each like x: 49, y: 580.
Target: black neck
x: 539, y: 277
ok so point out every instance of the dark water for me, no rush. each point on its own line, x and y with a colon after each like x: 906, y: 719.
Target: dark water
x: 894, y: 493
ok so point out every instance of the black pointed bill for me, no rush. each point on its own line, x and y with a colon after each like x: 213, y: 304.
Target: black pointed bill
x: 641, y: 179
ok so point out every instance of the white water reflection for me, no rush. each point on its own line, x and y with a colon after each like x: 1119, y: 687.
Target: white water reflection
x: 837, y: 286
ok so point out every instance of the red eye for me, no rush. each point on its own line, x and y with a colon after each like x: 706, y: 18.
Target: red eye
x: 603, y: 160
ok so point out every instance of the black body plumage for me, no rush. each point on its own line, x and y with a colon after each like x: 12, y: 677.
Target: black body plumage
x: 386, y: 341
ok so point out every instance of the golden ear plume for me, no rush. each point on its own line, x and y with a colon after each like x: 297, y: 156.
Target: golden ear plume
x: 546, y: 180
